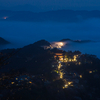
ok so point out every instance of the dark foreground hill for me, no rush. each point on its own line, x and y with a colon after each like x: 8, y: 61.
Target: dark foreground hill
x: 33, y: 73
x: 24, y: 57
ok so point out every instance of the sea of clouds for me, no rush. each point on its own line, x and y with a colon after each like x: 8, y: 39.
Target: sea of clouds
x: 24, y: 33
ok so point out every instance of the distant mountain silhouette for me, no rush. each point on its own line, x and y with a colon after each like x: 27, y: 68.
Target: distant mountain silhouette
x: 55, y: 16
x: 77, y: 41
x: 3, y: 41
x: 64, y: 40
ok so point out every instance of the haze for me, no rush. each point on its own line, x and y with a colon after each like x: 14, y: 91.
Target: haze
x: 45, y: 5
x: 25, y: 33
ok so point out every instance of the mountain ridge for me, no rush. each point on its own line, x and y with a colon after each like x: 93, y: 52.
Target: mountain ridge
x: 54, y: 16
x: 3, y: 41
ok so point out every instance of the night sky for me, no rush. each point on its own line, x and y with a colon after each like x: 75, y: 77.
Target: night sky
x: 55, y: 4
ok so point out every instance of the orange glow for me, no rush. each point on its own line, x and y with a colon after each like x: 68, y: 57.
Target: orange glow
x: 25, y: 78
x: 16, y: 78
x: 59, y: 66
x: 12, y: 82
x: 90, y: 71
x: 66, y: 85
x: 5, y: 17
x: 70, y: 60
x: 70, y: 83
x: 59, y: 54
x: 80, y: 76
x: 61, y: 75
x: 30, y: 82
x: 79, y: 63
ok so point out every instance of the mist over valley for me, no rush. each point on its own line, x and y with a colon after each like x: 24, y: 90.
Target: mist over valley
x: 21, y: 33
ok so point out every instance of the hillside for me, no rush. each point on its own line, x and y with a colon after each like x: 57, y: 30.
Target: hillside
x: 39, y: 73
x: 55, y: 16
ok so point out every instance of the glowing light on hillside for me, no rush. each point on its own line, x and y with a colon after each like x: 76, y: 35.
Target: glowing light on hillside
x: 61, y: 43
x: 5, y: 17
x: 16, y: 78
x: 58, y: 44
x: 26, y: 79
x: 70, y: 60
x: 79, y: 63
x: 66, y: 85
x: 30, y: 82
x: 61, y: 75
x: 75, y: 58
x: 63, y: 87
x: 70, y: 83
x: 90, y: 72
x: 12, y: 82
x: 80, y: 76
x: 57, y: 72
x: 59, y: 66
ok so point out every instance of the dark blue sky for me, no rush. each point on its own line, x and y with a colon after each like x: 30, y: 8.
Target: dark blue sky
x: 55, y: 4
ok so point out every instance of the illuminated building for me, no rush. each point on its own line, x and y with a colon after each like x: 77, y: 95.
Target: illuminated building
x: 90, y: 71
x: 63, y: 87
x: 16, y: 78
x: 56, y: 71
x: 61, y: 75
x: 80, y: 76
x: 30, y: 82
x: 22, y: 78
x: 79, y: 63
x: 70, y: 60
x: 60, y: 55
x: 75, y: 57
x: 66, y: 85
x: 12, y: 82
x: 59, y: 66
x: 70, y: 83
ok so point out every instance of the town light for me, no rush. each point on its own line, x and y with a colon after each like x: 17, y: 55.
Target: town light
x: 66, y: 85
x: 70, y: 83
x: 61, y: 75
x: 80, y: 76
x: 16, y: 78
x: 61, y: 44
x: 5, y: 17
x: 12, y: 82
x: 90, y: 71
x: 30, y: 82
